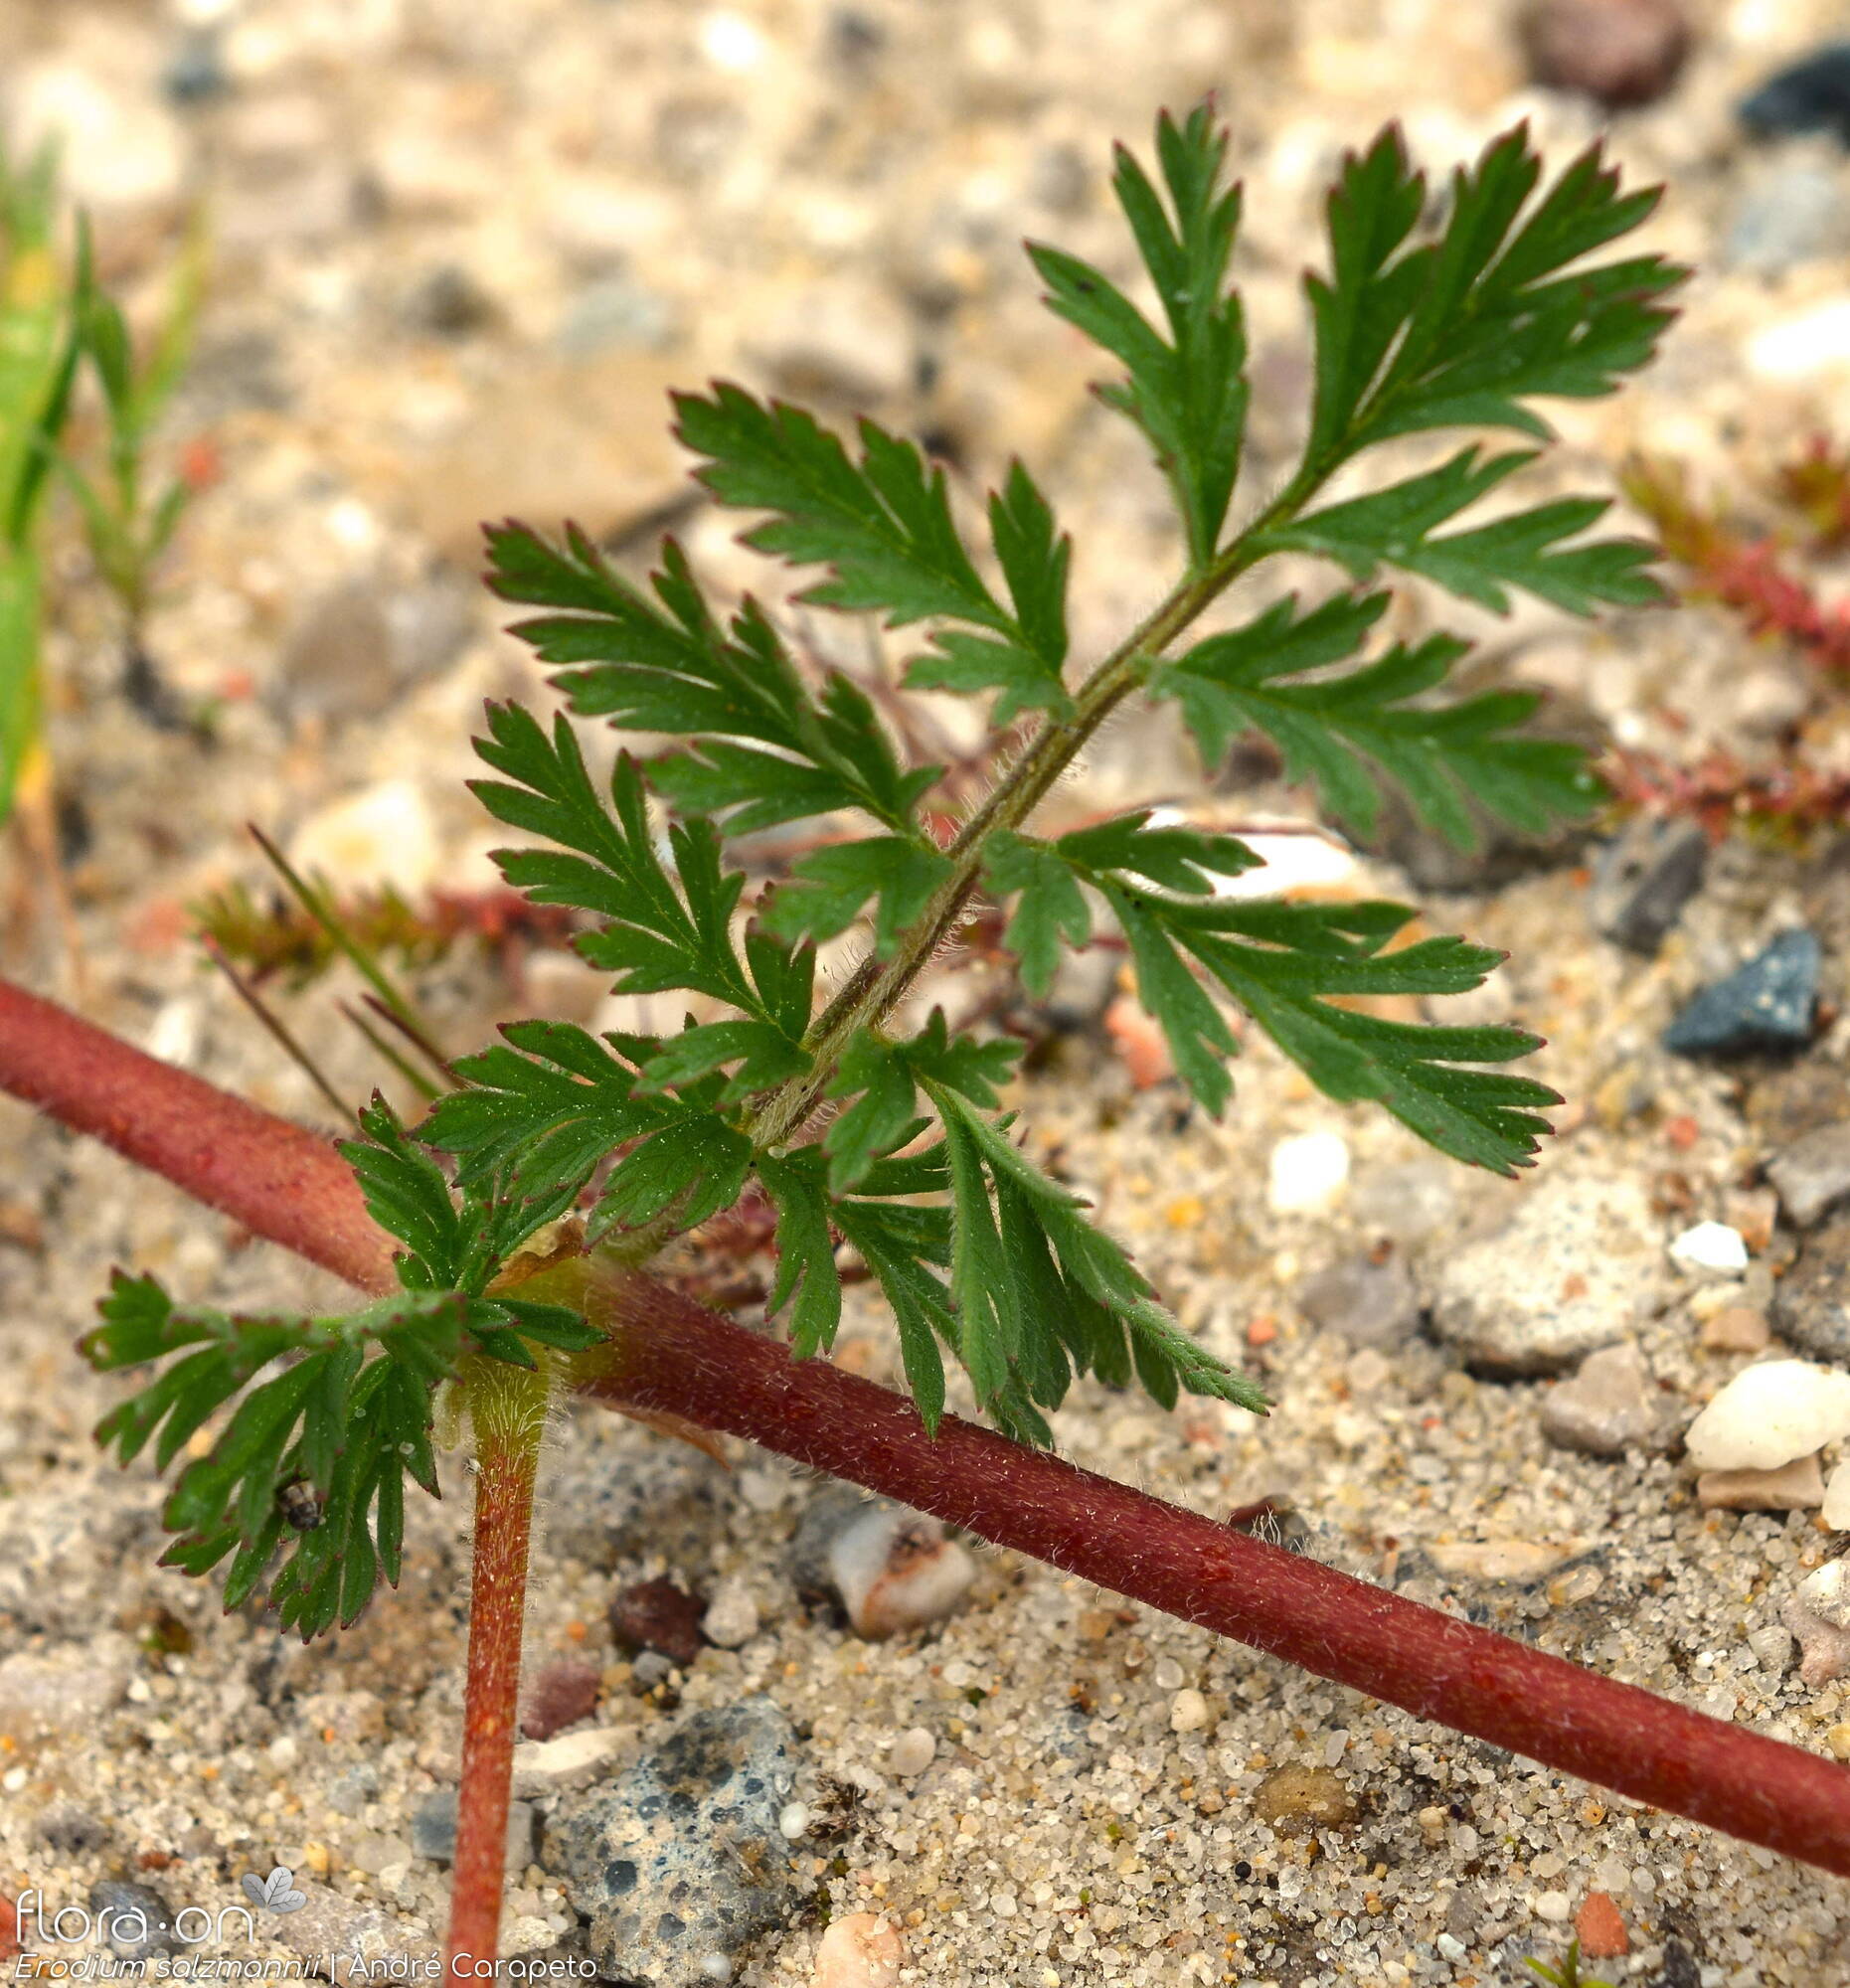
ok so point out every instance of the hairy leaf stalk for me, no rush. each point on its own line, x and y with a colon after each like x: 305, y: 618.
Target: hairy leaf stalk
x: 877, y: 988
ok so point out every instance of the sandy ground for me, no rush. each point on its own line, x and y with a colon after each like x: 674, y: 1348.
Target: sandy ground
x: 459, y: 255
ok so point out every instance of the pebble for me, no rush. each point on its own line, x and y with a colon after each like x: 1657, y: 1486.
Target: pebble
x: 1810, y: 342
x: 1409, y: 1202
x: 62, y: 1693
x: 195, y: 72
x: 1368, y: 1298
x: 1621, y: 53
x: 447, y: 302
x: 1711, y: 1248
x: 1769, y: 1415
x: 328, y: 1924
x: 1797, y: 1486
x: 1521, y: 1562
x: 1574, y: 1268
x: 1643, y: 880
x: 65, y: 1826
x: 588, y: 1753
x: 1296, y: 1799
x: 794, y: 1820
x: 661, y: 1617
x: 116, y: 149
x: 1735, y: 1328
x: 859, y: 1951
x: 352, y: 1788
x: 1772, y: 1646
x: 1189, y: 1712
x: 1791, y: 215
x: 1768, y: 1004
x: 1555, y: 1907
x: 1810, y: 1303
x: 893, y: 1569
x: 679, y: 1863
x: 1819, y: 1614
x: 1308, y: 1173
x: 560, y: 1693
x: 650, y: 1669
x: 135, y: 1919
x: 1811, y: 94
x: 912, y: 1752
x: 1600, y: 1927
x: 615, y: 312
x: 1610, y: 1406
x: 434, y: 1830
x: 1812, y: 1174
x: 362, y: 643
x: 1836, y: 1500
x: 732, y: 1617
x: 383, y: 835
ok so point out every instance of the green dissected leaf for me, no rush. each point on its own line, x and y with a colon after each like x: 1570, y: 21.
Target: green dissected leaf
x: 1500, y: 308
x: 551, y: 1102
x: 1187, y: 393
x: 828, y: 889
x: 882, y: 1076
x: 1394, y: 527
x: 1025, y: 667
x: 906, y: 1247
x: 1285, y: 964
x: 347, y: 1425
x: 769, y: 748
x: 764, y: 1054
x: 1354, y: 731
x: 970, y: 663
x: 1196, y: 1032
x: 1035, y: 556
x: 697, y: 1165
x: 1042, y: 1295
x: 883, y: 525
x: 406, y: 1195
x: 662, y: 933
x: 1175, y: 856
x: 1050, y: 907
x: 805, y: 1250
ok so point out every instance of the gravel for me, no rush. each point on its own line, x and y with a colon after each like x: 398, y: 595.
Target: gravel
x: 1065, y: 1826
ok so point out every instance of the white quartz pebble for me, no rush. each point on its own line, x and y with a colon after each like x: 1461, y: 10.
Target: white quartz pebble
x: 1711, y: 1248
x: 732, y: 1617
x: 1838, y: 1498
x: 894, y: 1571
x: 1308, y: 1173
x: 859, y: 1951
x: 1769, y: 1413
x: 912, y: 1752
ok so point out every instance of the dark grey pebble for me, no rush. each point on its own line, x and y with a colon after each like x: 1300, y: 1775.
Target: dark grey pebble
x: 1768, y: 1004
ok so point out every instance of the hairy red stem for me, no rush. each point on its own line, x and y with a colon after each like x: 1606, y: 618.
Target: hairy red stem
x: 506, y: 1462
x: 277, y: 1180
x: 674, y: 1357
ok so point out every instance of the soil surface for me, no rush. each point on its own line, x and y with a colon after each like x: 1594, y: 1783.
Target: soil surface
x: 459, y: 252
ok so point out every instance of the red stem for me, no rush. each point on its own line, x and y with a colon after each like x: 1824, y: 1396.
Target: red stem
x: 497, y: 1603
x: 277, y: 1180
x: 676, y: 1358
